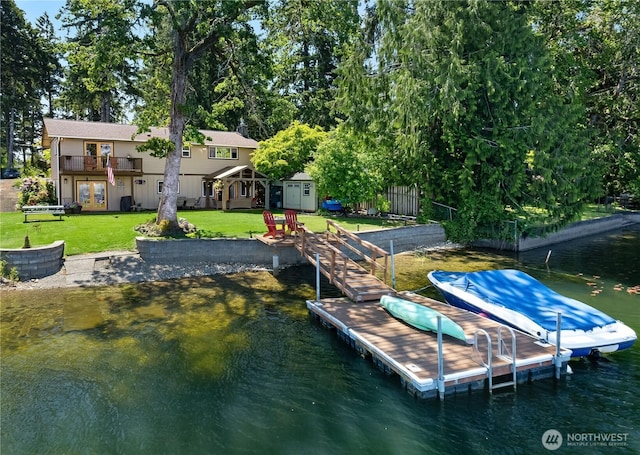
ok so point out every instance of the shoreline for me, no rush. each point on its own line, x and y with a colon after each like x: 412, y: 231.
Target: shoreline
x: 120, y: 267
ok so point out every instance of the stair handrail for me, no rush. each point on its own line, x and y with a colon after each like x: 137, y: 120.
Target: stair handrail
x: 375, y: 250
x: 502, y: 347
x: 488, y: 364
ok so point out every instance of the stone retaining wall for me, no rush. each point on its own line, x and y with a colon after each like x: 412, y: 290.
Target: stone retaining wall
x: 243, y: 251
x: 36, y: 262
x: 251, y: 251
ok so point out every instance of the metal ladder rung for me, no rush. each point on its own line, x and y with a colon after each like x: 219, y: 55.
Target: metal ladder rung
x: 503, y: 384
x: 511, y: 359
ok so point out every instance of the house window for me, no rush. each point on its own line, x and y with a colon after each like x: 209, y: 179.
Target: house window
x: 306, y: 189
x: 207, y: 188
x: 223, y: 153
x: 186, y: 151
x: 160, y: 185
x: 98, y: 149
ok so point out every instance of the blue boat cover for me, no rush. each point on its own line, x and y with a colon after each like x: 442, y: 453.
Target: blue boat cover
x: 520, y: 292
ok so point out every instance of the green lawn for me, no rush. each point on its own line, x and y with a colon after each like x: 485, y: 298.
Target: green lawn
x: 90, y: 233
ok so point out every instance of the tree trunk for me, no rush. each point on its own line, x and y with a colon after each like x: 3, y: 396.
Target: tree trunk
x: 105, y: 107
x: 167, y: 209
x: 10, y: 137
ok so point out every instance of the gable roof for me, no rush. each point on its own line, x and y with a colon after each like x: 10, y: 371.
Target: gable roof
x: 299, y: 177
x: 75, y: 129
x: 228, y: 171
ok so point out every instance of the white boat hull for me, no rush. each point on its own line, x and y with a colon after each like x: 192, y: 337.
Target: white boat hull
x: 606, y: 338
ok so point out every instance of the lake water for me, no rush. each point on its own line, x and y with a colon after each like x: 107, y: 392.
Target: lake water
x: 234, y: 364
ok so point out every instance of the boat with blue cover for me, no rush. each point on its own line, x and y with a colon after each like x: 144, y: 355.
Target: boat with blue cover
x: 517, y: 299
x: 332, y: 205
x: 421, y: 317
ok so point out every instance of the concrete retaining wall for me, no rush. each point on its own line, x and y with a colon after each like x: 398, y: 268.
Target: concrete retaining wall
x: 35, y: 262
x: 406, y: 238
x: 243, y: 251
x: 251, y: 251
x: 570, y: 232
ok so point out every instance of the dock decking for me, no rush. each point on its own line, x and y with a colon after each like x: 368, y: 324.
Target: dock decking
x: 413, y: 354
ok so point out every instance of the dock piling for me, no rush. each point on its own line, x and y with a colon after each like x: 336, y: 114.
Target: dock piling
x: 440, y: 361
x: 558, y: 359
x: 317, y: 277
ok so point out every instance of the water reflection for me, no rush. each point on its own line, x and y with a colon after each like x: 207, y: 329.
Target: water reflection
x: 234, y: 363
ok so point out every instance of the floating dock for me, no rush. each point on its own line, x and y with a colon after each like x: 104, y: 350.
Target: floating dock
x: 428, y: 368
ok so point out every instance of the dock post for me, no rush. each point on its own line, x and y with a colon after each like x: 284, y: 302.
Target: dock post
x: 276, y: 265
x: 317, y: 277
x: 440, y: 361
x: 557, y: 360
x: 393, y: 266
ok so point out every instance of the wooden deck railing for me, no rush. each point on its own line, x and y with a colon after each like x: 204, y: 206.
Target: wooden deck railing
x: 342, y: 271
x: 334, y: 262
x: 83, y: 164
x: 346, y: 239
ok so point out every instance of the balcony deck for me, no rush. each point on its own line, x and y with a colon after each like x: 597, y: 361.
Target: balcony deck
x: 82, y: 165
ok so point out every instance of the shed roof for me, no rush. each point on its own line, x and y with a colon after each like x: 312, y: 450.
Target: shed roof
x: 299, y: 176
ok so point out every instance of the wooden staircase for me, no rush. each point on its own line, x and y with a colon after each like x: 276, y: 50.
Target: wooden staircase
x: 353, y: 280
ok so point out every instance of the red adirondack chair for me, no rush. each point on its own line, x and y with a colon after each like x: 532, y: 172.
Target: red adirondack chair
x: 272, y: 230
x: 293, y: 225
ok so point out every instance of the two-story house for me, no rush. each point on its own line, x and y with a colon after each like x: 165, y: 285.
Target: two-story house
x: 216, y: 174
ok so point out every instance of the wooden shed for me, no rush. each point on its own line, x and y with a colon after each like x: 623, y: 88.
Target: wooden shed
x: 300, y: 193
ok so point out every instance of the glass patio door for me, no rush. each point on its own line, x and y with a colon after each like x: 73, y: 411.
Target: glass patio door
x: 92, y: 194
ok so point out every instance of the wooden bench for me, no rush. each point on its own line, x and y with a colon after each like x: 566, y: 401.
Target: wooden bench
x: 240, y: 203
x: 55, y: 210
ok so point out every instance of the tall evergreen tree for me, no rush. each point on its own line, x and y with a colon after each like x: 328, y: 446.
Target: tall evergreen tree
x: 101, y: 57
x: 596, y: 45
x: 21, y: 83
x: 461, y: 96
x: 51, y: 70
x: 306, y: 40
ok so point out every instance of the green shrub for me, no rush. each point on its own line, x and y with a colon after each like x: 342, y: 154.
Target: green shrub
x: 12, y: 275
x: 34, y: 191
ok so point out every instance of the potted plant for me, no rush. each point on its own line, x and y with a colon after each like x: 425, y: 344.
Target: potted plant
x: 72, y: 207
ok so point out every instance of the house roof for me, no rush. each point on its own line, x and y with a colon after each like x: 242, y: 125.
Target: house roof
x: 224, y: 172
x: 75, y: 129
x: 229, y: 171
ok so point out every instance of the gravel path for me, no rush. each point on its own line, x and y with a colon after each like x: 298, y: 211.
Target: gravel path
x: 114, y: 267
x: 8, y: 195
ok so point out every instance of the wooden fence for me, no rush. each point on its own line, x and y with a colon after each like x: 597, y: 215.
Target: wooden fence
x: 405, y: 200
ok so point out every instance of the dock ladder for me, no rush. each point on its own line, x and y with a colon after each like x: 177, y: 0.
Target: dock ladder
x: 505, y: 353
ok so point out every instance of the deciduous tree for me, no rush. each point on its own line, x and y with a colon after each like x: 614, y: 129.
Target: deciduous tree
x: 346, y: 169
x: 193, y: 29
x: 288, y: 151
